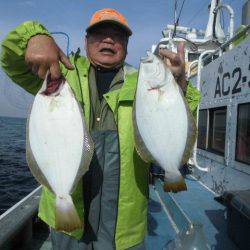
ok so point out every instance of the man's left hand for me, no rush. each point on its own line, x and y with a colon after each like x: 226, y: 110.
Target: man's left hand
x: 176, y: 63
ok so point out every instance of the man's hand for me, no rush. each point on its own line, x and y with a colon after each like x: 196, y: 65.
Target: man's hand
x: 43, y: 54
x: 176, y: 63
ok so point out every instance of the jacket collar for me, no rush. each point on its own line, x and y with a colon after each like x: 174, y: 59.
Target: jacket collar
x: 127, y: 91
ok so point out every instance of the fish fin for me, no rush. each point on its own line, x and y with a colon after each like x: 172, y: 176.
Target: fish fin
x: 192, y: 132
x: 140, y: 146
x: 32, y: 164
x: 88, y: 148
x: 67, y: 218
x: 88, y: 151
x: 174, y: 186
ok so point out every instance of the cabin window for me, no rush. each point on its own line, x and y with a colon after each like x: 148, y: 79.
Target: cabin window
x: 242, y: 153
x: 217, y: 130
x: 209, y: 59
x: 193, y: 56
x: 202, y: 129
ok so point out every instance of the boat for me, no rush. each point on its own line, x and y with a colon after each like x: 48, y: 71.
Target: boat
x: 215, y: 211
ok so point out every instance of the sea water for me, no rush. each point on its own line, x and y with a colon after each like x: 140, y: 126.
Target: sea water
x: 16, y: 181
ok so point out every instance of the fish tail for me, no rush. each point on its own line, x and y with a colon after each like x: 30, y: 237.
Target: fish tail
x: 174, y: 185
x: 67, y: 218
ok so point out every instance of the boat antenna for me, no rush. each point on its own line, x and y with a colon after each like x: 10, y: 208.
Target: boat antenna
x: 175, y: 20
x: 176, y: 23
x: 175, y: 10
x: 214, y: 21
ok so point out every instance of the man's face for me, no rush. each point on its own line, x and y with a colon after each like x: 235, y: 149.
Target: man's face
x: 106, y: 46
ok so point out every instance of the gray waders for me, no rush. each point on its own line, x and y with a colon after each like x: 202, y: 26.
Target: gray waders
x: 101, y: 188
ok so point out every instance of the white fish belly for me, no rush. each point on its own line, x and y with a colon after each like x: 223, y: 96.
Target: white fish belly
x: 163, y: 123
x: 56, y: 137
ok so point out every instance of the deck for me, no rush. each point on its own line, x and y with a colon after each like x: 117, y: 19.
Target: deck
x: 168, y: 215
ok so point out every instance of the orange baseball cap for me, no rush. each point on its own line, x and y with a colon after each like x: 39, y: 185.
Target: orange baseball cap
x: 109, y: 16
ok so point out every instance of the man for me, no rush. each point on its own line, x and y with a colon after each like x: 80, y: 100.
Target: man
x: 111, y: 198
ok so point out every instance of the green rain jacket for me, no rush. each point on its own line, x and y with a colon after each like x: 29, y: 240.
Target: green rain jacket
x: 131, y: 225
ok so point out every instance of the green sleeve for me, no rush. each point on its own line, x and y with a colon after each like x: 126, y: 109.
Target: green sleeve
x: 193, y: 98
x: 242, y: 37
x: 13, y: 55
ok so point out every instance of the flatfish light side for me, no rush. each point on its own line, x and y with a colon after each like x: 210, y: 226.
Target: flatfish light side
x: 180, y: 185
x: 140, y: 146
x: 33, y: 166
x: 56, y: 138
x: 66, y: 216
x: 88, y: 151
x: 173, y: 179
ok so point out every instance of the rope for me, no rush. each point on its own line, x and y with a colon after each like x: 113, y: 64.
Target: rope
x: 67, y: 37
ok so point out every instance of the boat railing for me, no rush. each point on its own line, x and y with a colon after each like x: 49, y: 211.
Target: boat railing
x: 225, y: 45
x: 16, y: 222
x: 213, y: 54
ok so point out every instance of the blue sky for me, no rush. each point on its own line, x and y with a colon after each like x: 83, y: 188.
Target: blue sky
x: 147, y: 18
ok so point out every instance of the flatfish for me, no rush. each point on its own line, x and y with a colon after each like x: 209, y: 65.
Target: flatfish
x: 58, y: 147
x: 164, y: 127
